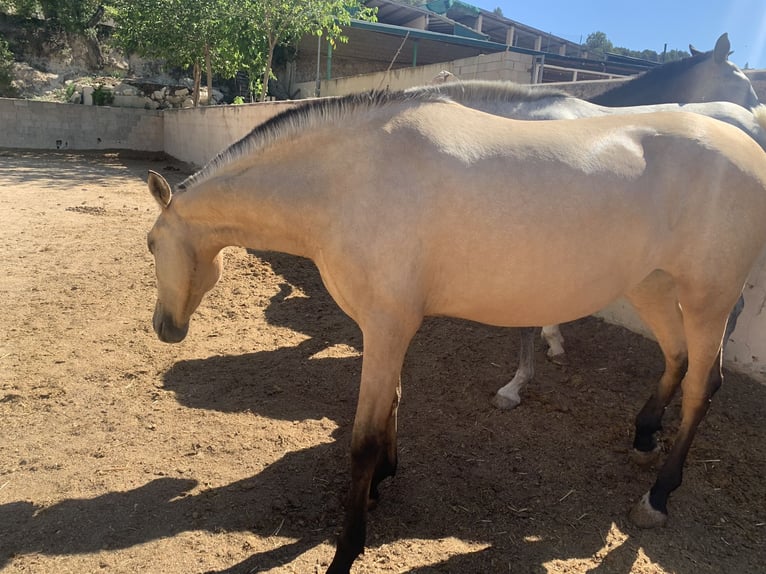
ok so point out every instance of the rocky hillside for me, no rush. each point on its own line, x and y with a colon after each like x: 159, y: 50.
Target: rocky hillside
x: 55, y: 66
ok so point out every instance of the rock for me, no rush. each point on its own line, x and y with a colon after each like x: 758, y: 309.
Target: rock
x: 182, y: 92
x: 125, y: 90
x: 87, y: 95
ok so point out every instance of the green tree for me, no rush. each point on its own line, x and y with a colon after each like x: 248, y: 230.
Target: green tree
x: 227, y: 35
x: 184, y: 33
x: 73, y: 16
x: 287, y: 21
x: 7, y: 90
x: 598, y: 44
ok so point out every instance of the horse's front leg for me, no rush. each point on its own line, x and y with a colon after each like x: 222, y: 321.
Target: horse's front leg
x: 373, y: 440
x: 387, y: 460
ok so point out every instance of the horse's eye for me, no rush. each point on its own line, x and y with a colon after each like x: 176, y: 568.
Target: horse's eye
x: 150, y: 246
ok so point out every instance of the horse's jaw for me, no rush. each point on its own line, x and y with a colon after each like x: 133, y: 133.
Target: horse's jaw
x: 166, y: 328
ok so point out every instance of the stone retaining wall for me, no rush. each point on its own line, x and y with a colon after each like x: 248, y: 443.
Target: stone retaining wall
x: 47, y: 125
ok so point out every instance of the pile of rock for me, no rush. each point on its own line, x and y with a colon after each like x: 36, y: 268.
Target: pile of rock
x: 124, y: 95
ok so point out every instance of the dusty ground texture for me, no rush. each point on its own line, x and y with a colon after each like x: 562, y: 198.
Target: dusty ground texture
x: 228, y: 452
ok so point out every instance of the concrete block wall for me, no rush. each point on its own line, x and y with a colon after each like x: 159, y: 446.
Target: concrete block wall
x: 49, y: 125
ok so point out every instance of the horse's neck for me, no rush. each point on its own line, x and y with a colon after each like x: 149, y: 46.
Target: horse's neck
x: 239, y: 217
x: 641, y: 91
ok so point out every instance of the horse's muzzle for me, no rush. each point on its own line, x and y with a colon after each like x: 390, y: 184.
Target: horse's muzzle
x: 165, y: 327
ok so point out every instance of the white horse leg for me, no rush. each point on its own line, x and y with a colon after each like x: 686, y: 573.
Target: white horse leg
x: 373, y: 440
x: 508, y: 396
x: 554, y: 338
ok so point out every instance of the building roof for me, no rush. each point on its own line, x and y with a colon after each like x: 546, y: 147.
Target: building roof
x: 457, y: 23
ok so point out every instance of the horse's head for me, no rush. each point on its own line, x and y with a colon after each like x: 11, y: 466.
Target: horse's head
x: 186, y: 268
x: 716, y: 79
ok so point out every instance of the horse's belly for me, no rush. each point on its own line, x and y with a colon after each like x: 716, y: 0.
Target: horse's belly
x: 515, y: 296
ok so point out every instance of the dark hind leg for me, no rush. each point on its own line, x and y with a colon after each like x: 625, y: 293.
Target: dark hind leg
x: 652, y: 509
x: 704, y: 325
x: 656, y: 303
x: 508, y: 397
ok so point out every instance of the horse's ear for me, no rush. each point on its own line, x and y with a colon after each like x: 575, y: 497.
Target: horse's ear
x: 722, y: 49
x: 694, y: 51
x: 160, y: 189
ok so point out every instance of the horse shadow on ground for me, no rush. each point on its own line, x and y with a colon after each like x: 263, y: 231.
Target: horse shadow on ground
x: 550, y: 481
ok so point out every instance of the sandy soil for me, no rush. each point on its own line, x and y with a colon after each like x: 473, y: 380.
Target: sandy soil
x: 228, y: 452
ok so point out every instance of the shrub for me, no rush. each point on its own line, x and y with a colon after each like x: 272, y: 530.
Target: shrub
x: 102, y: 96
x: 7, y: 90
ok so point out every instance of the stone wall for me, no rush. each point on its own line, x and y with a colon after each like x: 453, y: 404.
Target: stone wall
x: 47, y: 125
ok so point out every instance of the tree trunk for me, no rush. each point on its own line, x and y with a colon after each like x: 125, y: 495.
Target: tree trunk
x: 197, y: 82
x: 209, y: 71
x: 267, y: 73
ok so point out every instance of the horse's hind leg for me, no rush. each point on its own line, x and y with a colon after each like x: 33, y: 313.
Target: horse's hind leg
x: 554, y: 338
x: 508, y: 396
x: 704, y: 323
x: 656, y: 303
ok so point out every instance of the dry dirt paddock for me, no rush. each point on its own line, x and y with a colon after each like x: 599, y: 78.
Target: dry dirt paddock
x: 228, y: 452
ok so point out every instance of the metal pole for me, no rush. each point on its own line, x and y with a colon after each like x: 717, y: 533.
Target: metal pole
x: 317, y: 89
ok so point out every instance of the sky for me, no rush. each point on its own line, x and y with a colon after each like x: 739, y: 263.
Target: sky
x: 648, y: 24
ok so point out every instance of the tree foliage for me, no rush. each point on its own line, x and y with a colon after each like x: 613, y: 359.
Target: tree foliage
x: 598, y: 44
x: 7, y: 90
x: 73, y: 16
x: 287, y: 21
x: 227, y: 35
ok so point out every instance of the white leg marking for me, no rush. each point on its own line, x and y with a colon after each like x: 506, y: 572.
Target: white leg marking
x: 555, y: 340
x: 508, y: 398
x: 644, y: 516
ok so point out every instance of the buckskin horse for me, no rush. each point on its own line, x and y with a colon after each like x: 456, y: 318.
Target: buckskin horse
x: 662, y: 208
x: 697, y: 82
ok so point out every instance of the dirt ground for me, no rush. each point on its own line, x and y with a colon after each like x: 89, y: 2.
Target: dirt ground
x: 228, y: 453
